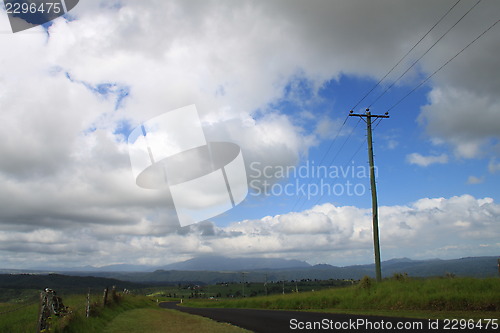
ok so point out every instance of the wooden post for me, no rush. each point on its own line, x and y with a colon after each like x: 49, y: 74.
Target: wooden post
x: 87, y: 308
x: 105, y: 297
x: 376, y: 243
x: 40, y: 314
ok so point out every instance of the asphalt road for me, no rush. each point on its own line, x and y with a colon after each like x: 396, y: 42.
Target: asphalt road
x: 264, y: 321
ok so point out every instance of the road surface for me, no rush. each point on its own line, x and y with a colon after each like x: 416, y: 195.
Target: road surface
x: 273, y: 321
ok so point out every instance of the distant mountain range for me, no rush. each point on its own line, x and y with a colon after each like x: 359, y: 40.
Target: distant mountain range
x: 214, y: 269
x: 202, y: 263
x: 221, y: 263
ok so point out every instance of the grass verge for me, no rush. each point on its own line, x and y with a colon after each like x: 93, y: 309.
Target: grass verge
x: 16, y: 318
x: 133, y: 314
x: 403, y: 296
x: 162, y: 320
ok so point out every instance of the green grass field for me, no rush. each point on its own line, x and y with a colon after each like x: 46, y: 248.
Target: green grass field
x: 130, y: 314
x: 479, y: 298
x: 464, y: 298
x: 161, y: 320
x: 18, y: 317
x: 248, y: 289
x: 134, y: 314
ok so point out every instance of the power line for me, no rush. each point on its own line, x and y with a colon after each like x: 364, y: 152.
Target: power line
x: 344, y: 165
x: 378, y: 123
x: 373, y: 88
x: 378, y: 83
x: 333, y: 141
x: 356, y: 152
x: 303, y: 198
x: 330, y: 164
x: 402, y: 58
x: 324, y: 156
x: 368, y: 93
x: 427, y: 51
x: 363, y: 143
x: 299, y: 199
x: 442, y: 66
x: 347, y: 139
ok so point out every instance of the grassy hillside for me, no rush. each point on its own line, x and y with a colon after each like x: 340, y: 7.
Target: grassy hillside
x: 402, y: 293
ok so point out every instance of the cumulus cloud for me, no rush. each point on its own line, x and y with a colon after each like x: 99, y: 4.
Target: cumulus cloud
x: 450, y: 118
x: 424, y: 161
x: 433, y: 227
x: 70, y: 95
x: 463, y: 104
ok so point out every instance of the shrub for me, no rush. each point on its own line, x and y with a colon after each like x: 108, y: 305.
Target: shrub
x: 366, y: 282
x: 400, y: 276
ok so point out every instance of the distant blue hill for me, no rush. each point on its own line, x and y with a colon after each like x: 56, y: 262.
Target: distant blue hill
x: 213, y: 269
x: 221, y: 263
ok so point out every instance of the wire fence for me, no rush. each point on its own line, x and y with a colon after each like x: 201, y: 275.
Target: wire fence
x: 24, y: 306
x: 41, y: 314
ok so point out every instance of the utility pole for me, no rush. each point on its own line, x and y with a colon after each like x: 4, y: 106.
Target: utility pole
x: 376, y: 243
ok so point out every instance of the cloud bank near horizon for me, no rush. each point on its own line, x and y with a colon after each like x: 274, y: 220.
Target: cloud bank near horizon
x: 428, y: 228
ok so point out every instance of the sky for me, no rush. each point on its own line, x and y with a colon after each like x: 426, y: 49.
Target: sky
x: 278, y: 78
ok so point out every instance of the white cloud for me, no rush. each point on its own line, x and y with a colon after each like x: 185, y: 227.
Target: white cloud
x: 463, y: 108
x: 475, y: 180
x: 493, y: 166
x: 64, y: 168
x: 424, y: 161
x: 328, y: 128
x: 437, y: 227
x: 392, y: 144
x: 451, y: 118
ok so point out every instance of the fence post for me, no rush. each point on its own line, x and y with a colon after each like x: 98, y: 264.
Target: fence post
x: 40, y: 314
x: 105, y: 297
x: 87, y: 308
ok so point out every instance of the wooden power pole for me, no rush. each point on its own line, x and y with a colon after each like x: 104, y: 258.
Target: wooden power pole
x: 367, y: 117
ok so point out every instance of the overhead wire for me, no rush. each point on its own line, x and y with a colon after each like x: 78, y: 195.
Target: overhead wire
x: 401, y: 60
x: 299, y: 199
x: 347, y: 139
x: 353, y: 155
x: 425, y: 80
x: 442, y: 66
x: 323, y: 158
x: 419, y: 58
x: 335, y: 139
x: 386, y: 90
x: 403, y: 57
x: 331, y: 163
x: 394, y: 67
x: 378, y: 121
